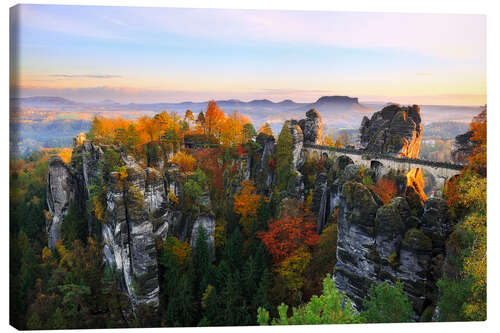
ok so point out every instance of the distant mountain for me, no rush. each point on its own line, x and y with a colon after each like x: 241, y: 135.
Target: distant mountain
x: 108, y: 102
x: 44, y: 100
x: 286, y: 102
x: 339, y: 110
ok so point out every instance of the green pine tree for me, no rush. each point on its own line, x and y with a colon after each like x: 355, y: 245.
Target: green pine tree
x: 387, y: 304
x: 284, y: 157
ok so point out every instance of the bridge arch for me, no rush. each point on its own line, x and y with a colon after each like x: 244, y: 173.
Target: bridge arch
x: 438, y: 172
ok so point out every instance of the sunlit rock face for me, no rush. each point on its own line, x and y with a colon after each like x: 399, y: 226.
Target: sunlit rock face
x: 60, y: 192
x: 394, y: 130
x: 415, y: 190
x: 311, y: 127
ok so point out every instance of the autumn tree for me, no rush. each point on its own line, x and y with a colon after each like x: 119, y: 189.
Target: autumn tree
x: 214, y: 119
x: 463, y: 284
x: 186, y: 162
x: 477, y: 160
x: 385, y: 189
x: 189, y: 118
x: 246, y: 202
x: 200, y: 123
x: 327, y: 140
x: 287, y: 234
x: 149, y: 127
x: 65, y: 154
x: 266, y: 129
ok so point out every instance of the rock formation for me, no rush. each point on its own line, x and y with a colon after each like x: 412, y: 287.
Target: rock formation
x: 394, y: 130
x: 266, y: 142
x: 311, y: 127
x: 297, y: 144
x: 379, y: 243
x: 60, y: 192
x: 137, y: 211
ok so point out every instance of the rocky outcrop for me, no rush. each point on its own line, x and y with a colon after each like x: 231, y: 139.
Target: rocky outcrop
x: 379, y: 243
x: 394, y: 130
x: 128, y: 236
x: 207, y: 222
x: 60, y: 192
x: 311, y: 127
x: 266, y: 142
x: 137, y: 210
x: 356, y: 268
x: 299, y: 156
x: 320, y: 200
x: 462, y: 148
x: 436, y: 223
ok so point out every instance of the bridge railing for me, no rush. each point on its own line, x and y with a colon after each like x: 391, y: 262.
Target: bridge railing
x: 372, y: 155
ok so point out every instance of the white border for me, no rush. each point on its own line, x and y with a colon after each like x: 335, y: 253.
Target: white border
x: 420, y: 6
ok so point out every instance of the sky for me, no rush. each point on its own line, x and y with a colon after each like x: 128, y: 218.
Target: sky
x: 145, y: 55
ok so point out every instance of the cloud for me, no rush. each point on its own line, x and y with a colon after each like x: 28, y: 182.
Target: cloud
x: 91, y: 76
x: 451, y: 36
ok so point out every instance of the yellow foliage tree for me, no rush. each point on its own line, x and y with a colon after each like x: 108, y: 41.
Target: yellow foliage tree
x: 246, y: 202
x: 266, y: 129
x: 186, y: 162
x: 292, y: 269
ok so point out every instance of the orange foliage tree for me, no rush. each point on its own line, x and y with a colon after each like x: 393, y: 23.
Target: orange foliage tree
x: 477, y: 160
x: 386, y: 189
x: 65, y: 154
x: 246, y: 202
x: 214, y: 119
x: 231, y: 130
x: 287, y: 234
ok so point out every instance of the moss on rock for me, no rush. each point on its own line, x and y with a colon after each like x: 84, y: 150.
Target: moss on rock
x: 416, y: 240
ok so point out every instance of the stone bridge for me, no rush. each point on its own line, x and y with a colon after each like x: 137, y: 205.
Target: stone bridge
x: 441, y: 171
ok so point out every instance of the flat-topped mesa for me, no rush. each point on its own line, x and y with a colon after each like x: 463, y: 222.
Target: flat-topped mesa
x: 338, y: 99
x: 394, y: 130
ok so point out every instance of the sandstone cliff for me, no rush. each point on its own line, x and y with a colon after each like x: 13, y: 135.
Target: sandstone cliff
x: 136, y: 212
x: 379, y: 243
x: 311, y: 127
x: 60, y: 192
x: 394, y: 130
